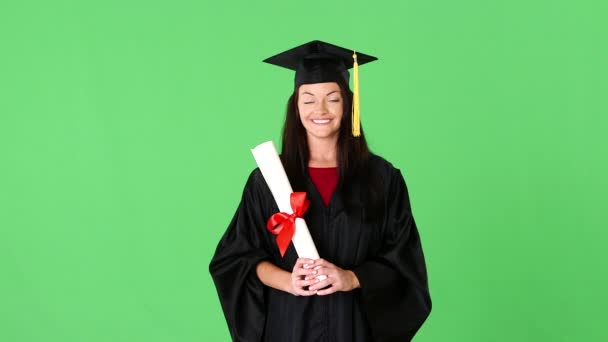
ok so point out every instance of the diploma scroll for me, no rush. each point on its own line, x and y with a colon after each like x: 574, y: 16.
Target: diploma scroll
x: 270, y: 165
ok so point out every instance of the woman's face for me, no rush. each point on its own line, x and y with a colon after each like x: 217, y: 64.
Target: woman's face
x: 320, y: 106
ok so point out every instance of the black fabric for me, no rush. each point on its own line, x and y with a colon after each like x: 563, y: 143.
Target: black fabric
x: 318, y: 62
x: 386, y: 255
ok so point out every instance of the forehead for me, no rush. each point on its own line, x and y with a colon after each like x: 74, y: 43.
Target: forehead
x: 319, y: 88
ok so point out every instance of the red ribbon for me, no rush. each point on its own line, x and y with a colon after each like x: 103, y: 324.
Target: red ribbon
x: 283, y: 225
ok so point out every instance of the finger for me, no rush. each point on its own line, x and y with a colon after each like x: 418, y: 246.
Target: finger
x: 322, y: 274
x: 304, y: 261
x: 302, y: 292
x: 319, y: 284
x: 300, y: 262
x: 303, y: 285
x: 329, y: 290
x: 304, y: 272
x: 312, y: 274
x: 319, y: 261
x: 323, y: 263
x: 326, y: 271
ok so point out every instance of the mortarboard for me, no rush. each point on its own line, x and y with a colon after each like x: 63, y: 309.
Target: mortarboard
x: 318, y: 62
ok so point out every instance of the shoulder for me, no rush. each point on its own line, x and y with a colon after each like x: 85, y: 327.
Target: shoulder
x: 257, y: 186
x: 256, y: 191
x: 390, y: 176
x: 255, y: 180
x: 255, y: 175
x: 383, y: 167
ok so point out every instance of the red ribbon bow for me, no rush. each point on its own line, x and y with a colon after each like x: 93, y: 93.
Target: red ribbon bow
x: 283, y: 225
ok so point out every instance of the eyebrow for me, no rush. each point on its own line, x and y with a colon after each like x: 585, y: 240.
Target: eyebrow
x: 331, y: 92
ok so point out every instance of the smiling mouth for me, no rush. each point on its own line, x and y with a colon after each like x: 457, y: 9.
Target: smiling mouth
x: 323, y: 121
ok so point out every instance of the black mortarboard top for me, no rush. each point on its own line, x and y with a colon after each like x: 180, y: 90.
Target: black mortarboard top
x: 318, y: 62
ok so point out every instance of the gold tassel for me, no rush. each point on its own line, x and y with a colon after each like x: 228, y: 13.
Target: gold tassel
x: 355, y: 115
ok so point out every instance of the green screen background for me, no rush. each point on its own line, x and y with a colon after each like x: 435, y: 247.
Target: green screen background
x: 125, y: 129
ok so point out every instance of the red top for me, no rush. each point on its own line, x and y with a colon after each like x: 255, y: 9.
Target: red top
x: 325, y: 180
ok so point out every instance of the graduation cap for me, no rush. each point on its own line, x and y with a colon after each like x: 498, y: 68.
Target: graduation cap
x: 318, y: 62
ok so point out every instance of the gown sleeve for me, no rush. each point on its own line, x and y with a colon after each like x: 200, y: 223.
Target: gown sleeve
x: 233, y: 265
x: 394, y: 286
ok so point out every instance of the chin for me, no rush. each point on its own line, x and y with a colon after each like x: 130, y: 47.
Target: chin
x: 324, y: 135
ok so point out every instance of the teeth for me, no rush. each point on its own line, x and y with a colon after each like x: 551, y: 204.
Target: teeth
x: 321, y: 121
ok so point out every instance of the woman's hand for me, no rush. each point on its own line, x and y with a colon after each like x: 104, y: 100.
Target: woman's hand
x: 338, y: 278
x: 302, y: 276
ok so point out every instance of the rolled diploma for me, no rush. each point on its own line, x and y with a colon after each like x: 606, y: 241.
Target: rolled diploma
x: 268, y: 161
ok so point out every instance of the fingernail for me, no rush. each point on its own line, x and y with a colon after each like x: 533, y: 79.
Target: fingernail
x: 314, y: 272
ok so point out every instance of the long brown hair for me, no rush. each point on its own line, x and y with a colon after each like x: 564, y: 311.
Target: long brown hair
x: 353, y: 154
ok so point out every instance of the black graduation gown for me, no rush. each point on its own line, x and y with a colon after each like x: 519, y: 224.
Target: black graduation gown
x: 386, y: 256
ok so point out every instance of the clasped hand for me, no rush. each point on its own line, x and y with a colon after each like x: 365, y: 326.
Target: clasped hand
x: 306, y: 273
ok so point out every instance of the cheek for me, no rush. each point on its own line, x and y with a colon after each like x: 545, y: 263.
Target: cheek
x: 301, y: 115
x: 305, y: 110
x: 338, y: 110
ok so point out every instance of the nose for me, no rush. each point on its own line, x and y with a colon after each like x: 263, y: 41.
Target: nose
x: 320, y: 108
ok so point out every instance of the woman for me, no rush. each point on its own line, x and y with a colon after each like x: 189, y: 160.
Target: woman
x: 359, y: 217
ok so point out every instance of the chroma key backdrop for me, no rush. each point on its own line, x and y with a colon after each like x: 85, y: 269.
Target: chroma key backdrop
x: 126, y: 129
